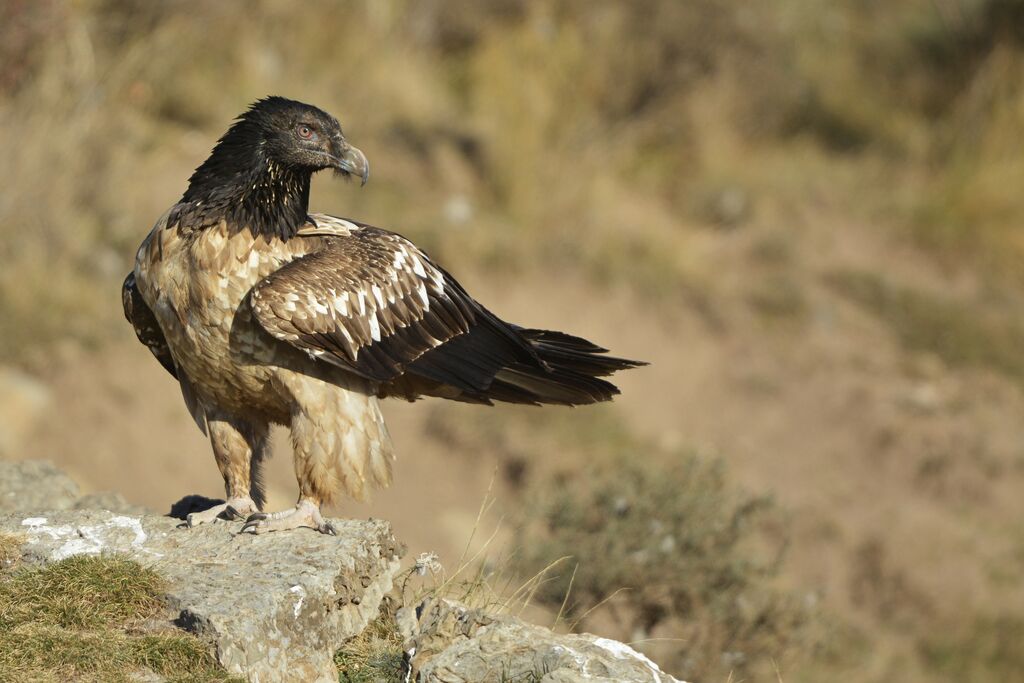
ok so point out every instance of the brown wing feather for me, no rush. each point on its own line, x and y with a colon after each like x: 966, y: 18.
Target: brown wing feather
x: 148, y: 330
x: 146, y: 327
x: 369, y: 300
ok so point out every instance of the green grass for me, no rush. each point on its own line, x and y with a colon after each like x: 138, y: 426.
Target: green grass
x: 83, y: 619
x: 81, y: 593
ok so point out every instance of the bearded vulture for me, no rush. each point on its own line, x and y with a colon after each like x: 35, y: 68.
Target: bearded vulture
x: 266, y: 313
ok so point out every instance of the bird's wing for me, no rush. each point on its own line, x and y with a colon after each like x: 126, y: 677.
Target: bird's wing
x: 371, y: 302
x: 147, y: 329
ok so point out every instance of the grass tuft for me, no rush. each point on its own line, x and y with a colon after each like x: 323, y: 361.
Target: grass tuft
x: 80, y: 592
x: 79, y: 619
x: 10, y: 545
x: 376, y: 655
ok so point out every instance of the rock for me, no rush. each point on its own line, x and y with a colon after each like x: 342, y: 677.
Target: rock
x: 23, y: 402
x: 450, y: 643
x: 31, y: 485
x: 276, y: 606
x: 111, y: 501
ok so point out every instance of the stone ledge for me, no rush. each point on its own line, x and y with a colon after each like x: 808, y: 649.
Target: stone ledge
x: 275, y: 606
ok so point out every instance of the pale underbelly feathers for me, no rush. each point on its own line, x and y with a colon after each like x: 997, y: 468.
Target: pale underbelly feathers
x: 197, y: 286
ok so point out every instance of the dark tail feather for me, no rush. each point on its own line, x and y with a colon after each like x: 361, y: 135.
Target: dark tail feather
x: 570, y: 374
x: 562, y: 350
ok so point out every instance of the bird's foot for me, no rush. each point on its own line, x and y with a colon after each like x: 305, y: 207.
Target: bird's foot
x: 236, y: 509
x: 305, y: 514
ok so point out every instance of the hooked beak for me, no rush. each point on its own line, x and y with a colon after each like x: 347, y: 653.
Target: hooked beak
x: 353, y: 162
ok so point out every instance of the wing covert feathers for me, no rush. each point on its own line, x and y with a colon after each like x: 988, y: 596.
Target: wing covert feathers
x: 145, y: 324
x: 148, y: 330
x: 371, y: 302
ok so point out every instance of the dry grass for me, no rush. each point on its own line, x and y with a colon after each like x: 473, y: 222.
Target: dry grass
x: 479, y: 580
x: 10, y: 546
x: 79, y: 619
x: 480, y: 109
x: 376, y: 654
x: 985, y: 649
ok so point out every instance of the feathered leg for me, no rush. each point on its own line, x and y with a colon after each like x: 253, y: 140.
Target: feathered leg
x: 313, y: 446
x: 340, y: 445
x: 239, y: 448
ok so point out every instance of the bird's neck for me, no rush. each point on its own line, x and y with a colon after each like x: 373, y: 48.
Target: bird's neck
x: 254, y: 194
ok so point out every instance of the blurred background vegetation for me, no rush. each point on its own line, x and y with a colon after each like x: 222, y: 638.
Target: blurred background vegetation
x: 807, y: 214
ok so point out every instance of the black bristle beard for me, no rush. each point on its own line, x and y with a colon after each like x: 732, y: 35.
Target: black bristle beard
x: 239, y: 185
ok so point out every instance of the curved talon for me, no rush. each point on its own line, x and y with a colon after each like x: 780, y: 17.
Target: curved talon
x: 327, y: 528
x: 253, y: 522
x: 231, y: 513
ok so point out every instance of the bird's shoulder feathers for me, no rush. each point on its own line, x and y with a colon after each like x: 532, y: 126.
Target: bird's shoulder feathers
x: 367, y: 299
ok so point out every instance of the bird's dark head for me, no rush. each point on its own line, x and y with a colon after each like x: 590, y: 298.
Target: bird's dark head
x: 257, y: 176
x: 300, y: 136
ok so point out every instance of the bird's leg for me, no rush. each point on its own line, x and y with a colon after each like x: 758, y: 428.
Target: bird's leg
x: 313, y: 448
x: 239, y: 448
x: 306, y: 513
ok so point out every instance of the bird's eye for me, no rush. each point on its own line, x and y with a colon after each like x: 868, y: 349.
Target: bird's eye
x: 304, y: 131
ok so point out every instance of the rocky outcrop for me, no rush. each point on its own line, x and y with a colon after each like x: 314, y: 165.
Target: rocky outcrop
x: 275, y: 606
x: 450, y: 643
x: 31, y: 485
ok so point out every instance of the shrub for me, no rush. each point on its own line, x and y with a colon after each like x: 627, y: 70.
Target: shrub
x: 679, y: 546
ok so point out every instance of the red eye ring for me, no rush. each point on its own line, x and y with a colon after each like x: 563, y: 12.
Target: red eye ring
x: 304, y: 131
